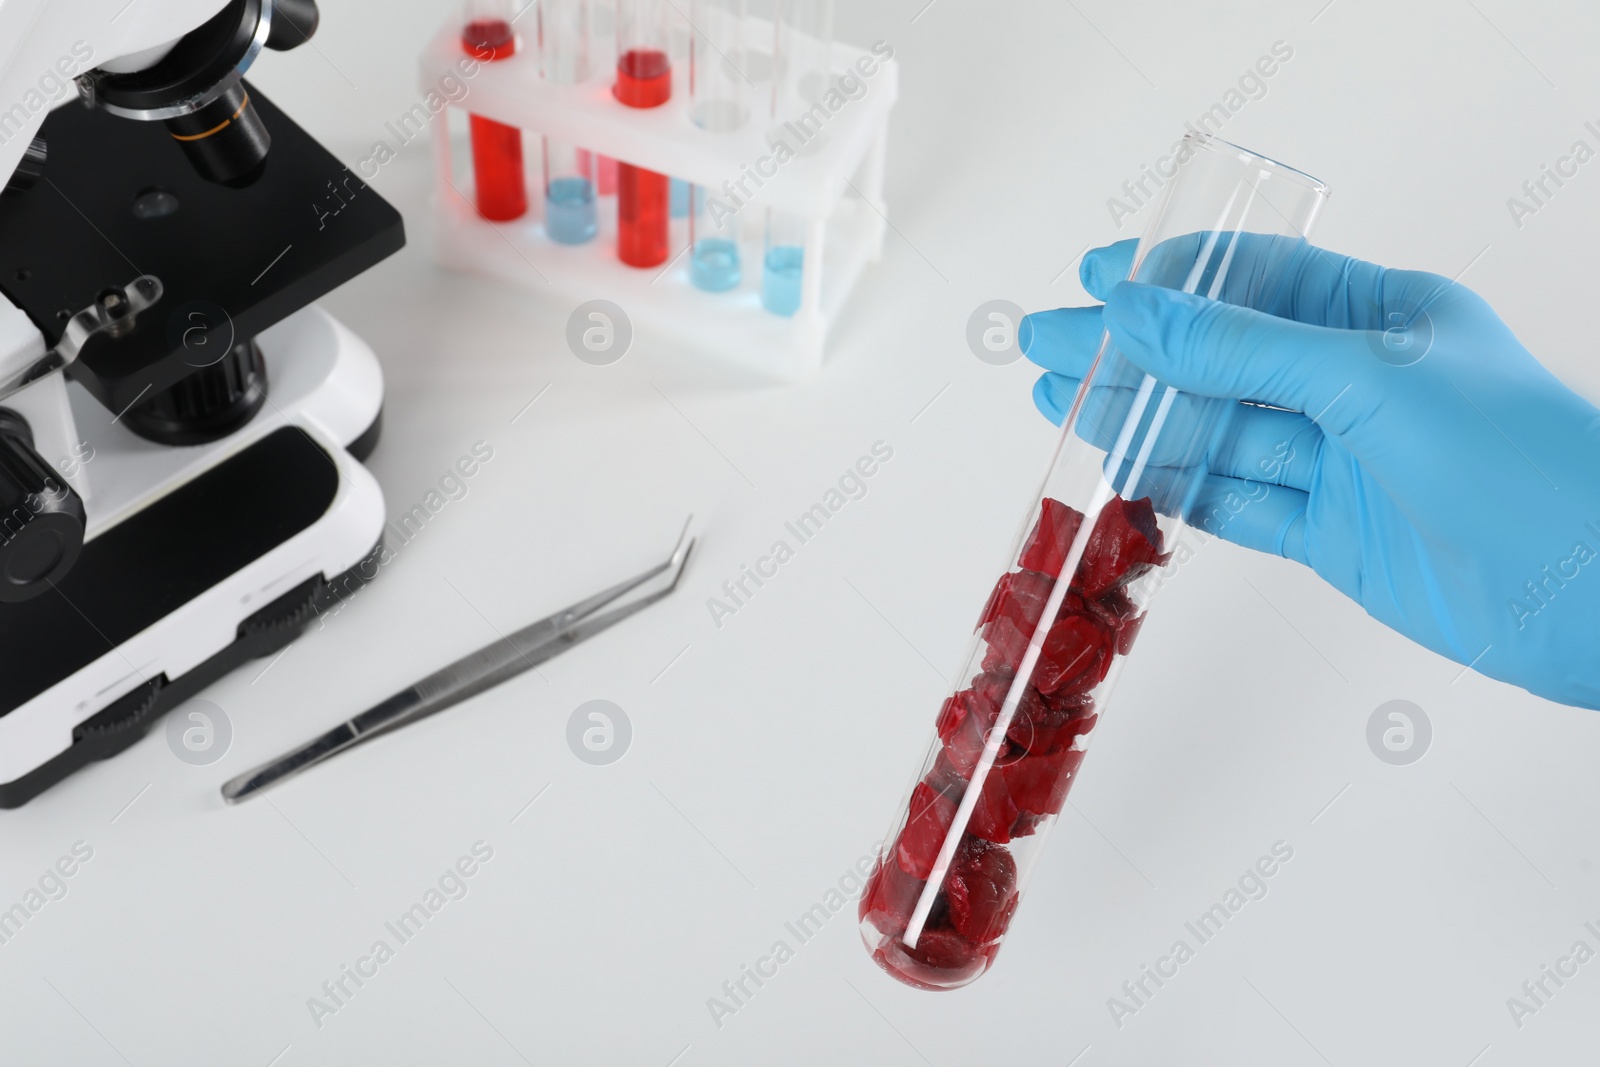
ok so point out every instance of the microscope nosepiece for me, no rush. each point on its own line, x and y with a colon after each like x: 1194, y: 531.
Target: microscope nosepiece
x: 196, y: 87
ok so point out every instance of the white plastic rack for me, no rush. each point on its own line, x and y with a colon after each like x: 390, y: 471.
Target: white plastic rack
x: 835, y: 184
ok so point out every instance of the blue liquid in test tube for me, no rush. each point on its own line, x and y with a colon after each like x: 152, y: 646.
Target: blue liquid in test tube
x: 714, y: 266
x: 569, y: 210
x: 780, y: 280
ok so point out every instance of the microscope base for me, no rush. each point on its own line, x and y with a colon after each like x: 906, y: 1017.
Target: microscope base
x: 125, y: 721
x: 198, y: 558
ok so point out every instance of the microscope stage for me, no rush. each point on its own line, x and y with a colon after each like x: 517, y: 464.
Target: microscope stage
x: 242, y: 258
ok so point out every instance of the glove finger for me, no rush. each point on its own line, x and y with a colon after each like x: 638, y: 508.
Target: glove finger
x: 1261, y: 444
x: 1102, y: 268
x: 1254, y: 515
x: 1052, y: 395
x: 1106, y: 410
x: 1293, y: 279
x: 1155, y: 425
x: 1064, y: 340
x: 1221, y: 350
x: 1267, y: 272
x: 1268, y: 445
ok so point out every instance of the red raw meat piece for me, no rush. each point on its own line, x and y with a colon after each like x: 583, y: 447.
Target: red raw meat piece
x: 890, y: 897
x: 982, y: 890
x: 953, y: 714
x: 1033, y: 784
x: 1051, y: 538
x: 1121, y: 616
x: 1007, y: 643
x: 929, y: 822
x: 1039, y: 784
x: 1078, y: 704
x: 995, y: 812
x: 1046, y: 729
x: 1077, y: 650
x: 1114, y: 609
x: 963, y: 731
x: 943, y: 949
x: 991, y: 687
x: 945, y: 778
x: 1032, y: 715
x: 1045, y: 723
x: 1013, y: 615
x: 1075, y: 656
x: 1024, y: 775
x: 964, y: 725
x: 943, y: 959
x: 1027, y: 823
x: 1019, y: 595
x: 1126, y: 543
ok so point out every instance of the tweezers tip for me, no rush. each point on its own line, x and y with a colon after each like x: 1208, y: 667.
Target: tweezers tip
x: 680, y: 551
x: 682, y: 564
x: 239, y: 788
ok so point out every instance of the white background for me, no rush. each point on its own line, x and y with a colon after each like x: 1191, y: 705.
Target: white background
x: 768, y: 755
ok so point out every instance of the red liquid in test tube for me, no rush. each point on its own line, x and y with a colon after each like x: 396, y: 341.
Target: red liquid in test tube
x: 644, y: 80
x: 502, y: 193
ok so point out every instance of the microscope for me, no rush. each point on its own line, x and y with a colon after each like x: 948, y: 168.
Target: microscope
x: 181, y: 429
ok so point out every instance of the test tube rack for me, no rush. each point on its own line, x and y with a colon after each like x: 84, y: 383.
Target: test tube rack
x: 836, y: 187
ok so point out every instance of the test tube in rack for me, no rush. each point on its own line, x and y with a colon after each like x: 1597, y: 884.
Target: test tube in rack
x: 603, y: 57
x: 569, y: 179
x: 644, y: 80
x: 802, y: 50
x: 497, y: 175
x: 717, y: 104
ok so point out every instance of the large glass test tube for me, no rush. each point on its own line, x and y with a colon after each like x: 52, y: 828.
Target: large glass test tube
x: 802, y: 51
x: 718, y: 104
x: 569, y: 187
x: 644, y: 79
x: 1127, y: 475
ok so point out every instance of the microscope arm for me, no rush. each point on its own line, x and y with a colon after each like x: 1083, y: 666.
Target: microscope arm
x: 50, y: 42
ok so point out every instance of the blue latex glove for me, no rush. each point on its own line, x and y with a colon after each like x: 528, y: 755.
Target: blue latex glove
x: 1443, y: 479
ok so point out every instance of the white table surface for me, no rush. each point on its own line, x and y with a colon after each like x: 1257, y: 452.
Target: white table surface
x: 769, y: 754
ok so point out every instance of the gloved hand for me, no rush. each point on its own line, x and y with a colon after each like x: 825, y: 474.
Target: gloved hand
x: 1427, y: 465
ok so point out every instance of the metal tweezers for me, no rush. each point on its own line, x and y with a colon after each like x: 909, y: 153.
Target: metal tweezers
x: 467, y: 677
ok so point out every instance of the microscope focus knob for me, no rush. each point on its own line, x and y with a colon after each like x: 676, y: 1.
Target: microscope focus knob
x: 41, y: 518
